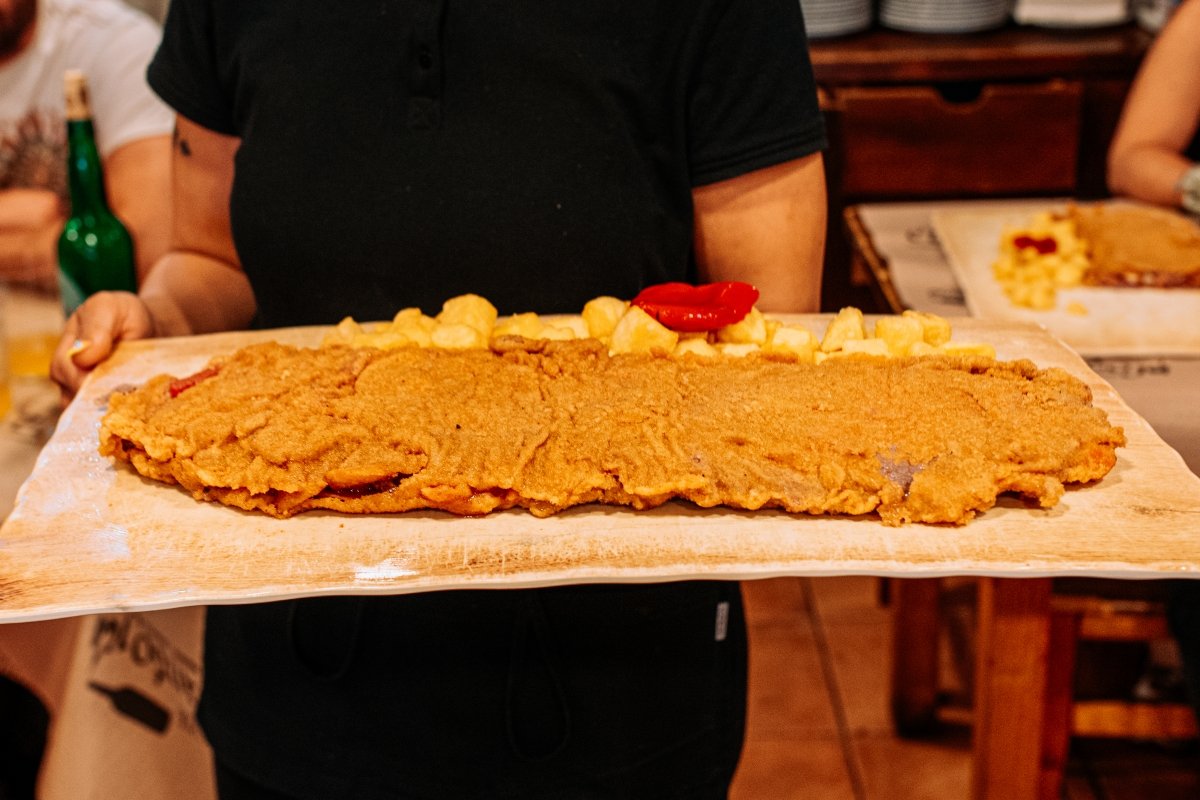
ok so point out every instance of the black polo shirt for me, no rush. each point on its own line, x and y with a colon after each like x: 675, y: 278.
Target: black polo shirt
x: 540, y: 153
x: 400, y: 152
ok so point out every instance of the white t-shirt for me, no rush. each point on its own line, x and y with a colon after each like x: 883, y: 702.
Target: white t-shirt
x: 112, y: 43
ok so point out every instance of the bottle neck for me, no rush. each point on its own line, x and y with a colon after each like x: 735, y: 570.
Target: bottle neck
x: 85, y: 175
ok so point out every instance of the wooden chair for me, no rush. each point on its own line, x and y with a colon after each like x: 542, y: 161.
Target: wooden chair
x: 1080, y: 611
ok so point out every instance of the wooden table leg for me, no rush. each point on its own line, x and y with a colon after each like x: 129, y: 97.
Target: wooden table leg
x: 915, y: 629
x: 1060, y: 699
x: 1010, y: 687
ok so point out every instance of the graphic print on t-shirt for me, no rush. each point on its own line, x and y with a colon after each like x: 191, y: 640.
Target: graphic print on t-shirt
x: 33, y: 153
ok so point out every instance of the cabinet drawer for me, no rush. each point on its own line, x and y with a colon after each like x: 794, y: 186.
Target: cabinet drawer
x: 990, y: 139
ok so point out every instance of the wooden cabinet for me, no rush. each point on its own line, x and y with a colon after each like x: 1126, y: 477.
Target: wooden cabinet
x: 1009, y: 113
x: 1002, y: 139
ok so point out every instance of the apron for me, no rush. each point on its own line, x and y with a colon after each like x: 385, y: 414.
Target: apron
x: 596, y: 691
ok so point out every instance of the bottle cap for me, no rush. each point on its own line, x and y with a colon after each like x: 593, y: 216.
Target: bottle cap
x: 75, y: 88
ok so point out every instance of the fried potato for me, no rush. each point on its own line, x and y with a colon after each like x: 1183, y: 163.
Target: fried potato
x: 846, y: 326
x: 935, y: 330
x: 899, y: 333
x: 752, y: 329
x: 696, y: 346
x: 638, y: 332
x: 601, y: 315
x: 793, y: 340
x: 528, y: 325
x: 469, y: 322
x: 471, y: 310
x: 459, y: 336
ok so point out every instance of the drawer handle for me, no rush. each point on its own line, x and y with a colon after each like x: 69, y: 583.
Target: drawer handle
x: 959, y: 93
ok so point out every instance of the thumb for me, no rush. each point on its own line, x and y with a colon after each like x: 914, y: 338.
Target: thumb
x: 104, y: 320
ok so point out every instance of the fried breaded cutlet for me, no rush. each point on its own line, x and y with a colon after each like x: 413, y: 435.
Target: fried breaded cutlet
x: 1138, y: 246
x: 548, y: 425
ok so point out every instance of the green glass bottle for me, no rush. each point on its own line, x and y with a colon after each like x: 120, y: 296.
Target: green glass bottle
x: 95, y: 251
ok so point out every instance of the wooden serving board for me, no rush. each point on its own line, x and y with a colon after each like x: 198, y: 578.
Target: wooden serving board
x: 87, y: 536
x: 1118, y: 322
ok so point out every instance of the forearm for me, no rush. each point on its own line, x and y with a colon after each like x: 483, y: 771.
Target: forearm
x: 30, y: 221
x: 28, y: 257
x: 767, y: 228
x: 784, y: 265
x: 1147, y: 172
x: 139, y: 190
x: 189, y: 293
x: 1161, y: 115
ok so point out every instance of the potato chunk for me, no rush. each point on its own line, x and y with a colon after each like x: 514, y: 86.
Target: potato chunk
x: 638, y: 332
x: 846, y: 326
x: 601, y: 315
x: 751, y: 329
x: 935, y: 330
x: 900, y: 333
x: 471, y: 310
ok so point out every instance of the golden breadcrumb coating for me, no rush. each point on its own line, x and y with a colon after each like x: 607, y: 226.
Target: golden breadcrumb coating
x: 1138, y: 246
x: 548, y: 425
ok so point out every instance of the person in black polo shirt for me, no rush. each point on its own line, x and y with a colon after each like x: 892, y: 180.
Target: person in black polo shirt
x: 337, y: 159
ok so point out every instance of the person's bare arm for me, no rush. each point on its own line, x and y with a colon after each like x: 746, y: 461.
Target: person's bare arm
x: 138, y: 182
x: 137, y: 178
x: 30, y: 222
x: 197, y: 287
x: 1161, y: 114
x: 767, y: 228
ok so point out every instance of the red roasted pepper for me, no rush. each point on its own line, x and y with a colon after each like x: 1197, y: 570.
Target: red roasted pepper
x: 686, y: 308
x: 181, y: 385
x: 1044, y: 246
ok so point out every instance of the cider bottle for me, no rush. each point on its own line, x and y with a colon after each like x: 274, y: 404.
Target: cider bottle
x: 95, y: 251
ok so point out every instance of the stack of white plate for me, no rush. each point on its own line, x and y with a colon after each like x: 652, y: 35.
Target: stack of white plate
x: 1071, y: 13
x: 944, y: 16
x: 825, y: 18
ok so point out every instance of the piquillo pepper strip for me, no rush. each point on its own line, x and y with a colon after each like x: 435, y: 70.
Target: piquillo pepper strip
x: 181, y: 385
x: 687, y: 308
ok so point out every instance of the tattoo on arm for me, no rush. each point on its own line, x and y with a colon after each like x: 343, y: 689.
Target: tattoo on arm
x: 180, y: 143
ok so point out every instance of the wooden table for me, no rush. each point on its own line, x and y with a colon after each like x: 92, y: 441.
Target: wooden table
x: 1022, y: 686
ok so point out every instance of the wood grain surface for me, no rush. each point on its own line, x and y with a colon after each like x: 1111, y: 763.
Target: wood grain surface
x: 88, y: 536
